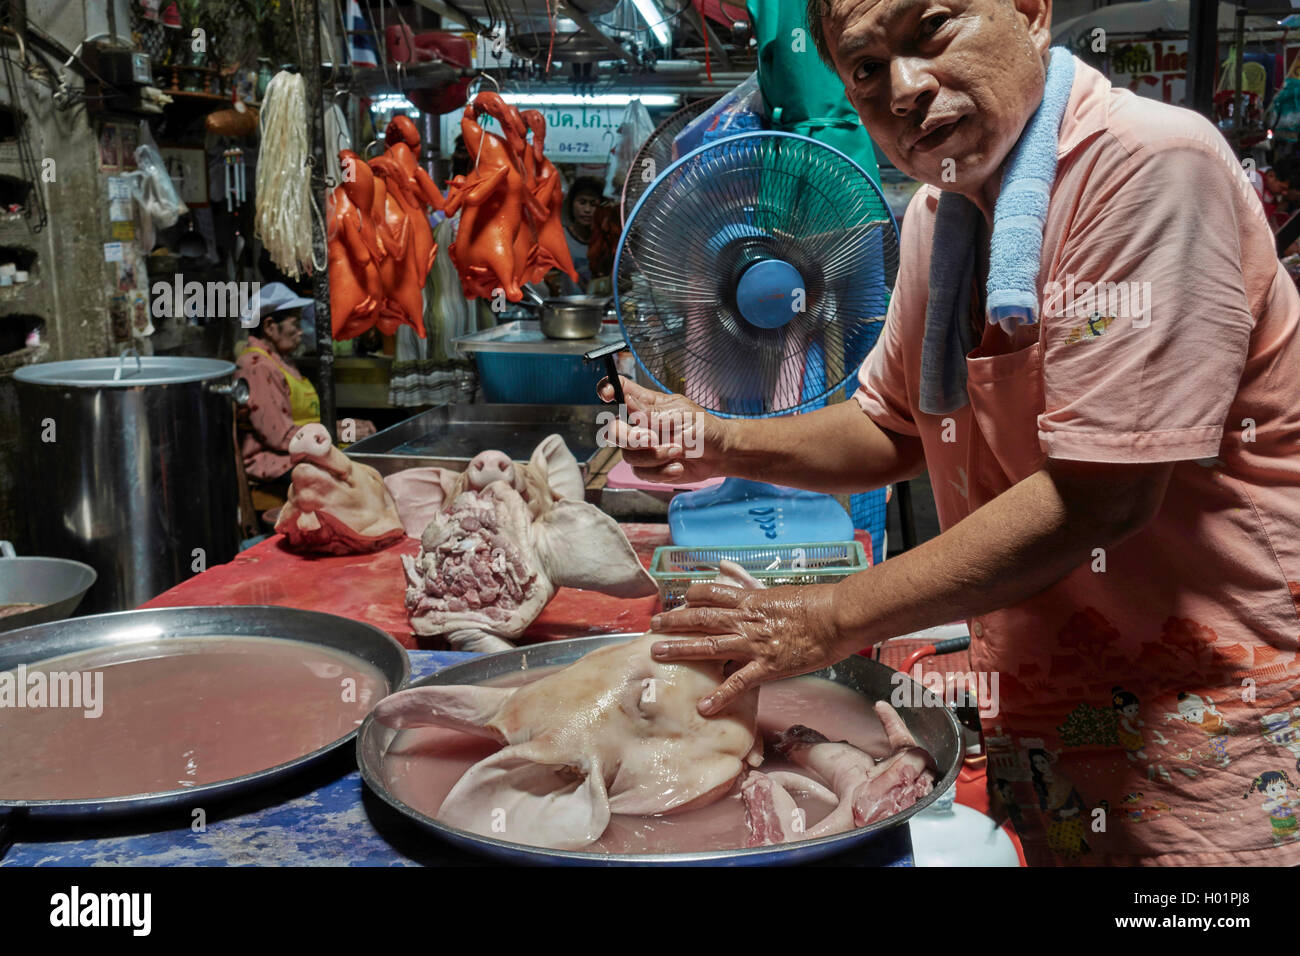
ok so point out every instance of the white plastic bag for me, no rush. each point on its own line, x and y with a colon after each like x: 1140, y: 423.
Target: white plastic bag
x: 153, y: 189
x: 633, y: 131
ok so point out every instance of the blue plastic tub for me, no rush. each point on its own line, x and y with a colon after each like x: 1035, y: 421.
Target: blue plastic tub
x: 518, y: 365
x: 538, y: 379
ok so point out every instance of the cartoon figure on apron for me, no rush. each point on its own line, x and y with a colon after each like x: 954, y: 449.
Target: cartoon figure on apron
x: 1283, y: 730
x: 1062, y: 805
x: 1201, y: 712
x: 1280, y: 808
x: 1139, y: 812
x: 1127, y: 707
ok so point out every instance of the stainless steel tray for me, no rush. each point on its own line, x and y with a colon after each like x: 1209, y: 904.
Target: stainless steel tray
x: 525, y: 337
x: 933, y: 725
x: 45, y: 641
x: 450, y: 435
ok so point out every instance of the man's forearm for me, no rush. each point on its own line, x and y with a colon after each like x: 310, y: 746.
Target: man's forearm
x: 836, y: 450
x: 1017, y: 545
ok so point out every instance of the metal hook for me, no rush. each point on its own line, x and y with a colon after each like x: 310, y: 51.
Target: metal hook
x: 365, y: 153
x: 491, y: 79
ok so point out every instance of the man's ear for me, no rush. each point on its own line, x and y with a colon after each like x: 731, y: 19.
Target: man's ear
x: 1038, y: 17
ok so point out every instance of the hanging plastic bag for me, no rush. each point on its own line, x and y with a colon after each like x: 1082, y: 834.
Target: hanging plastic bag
x: 153, y: 189
x: 739, y: 111
x: 633, y: 131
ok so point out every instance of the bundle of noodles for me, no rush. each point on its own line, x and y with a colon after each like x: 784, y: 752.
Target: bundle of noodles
x: 283, y: 216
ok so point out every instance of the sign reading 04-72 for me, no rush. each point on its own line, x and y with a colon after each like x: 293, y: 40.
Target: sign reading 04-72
x: 573, y: 133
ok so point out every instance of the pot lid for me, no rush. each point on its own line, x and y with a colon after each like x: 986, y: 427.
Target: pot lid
x: 127, y: 372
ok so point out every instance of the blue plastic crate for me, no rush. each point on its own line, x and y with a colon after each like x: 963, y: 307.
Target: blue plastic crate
x: 518, y: 365
x: 538, y: 379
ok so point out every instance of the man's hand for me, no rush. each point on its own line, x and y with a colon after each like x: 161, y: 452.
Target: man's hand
x: 773, y: 633
x: 668, y: 438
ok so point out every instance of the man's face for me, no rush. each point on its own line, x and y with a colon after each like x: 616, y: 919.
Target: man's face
x: 944, y: 87
x: 584, y: 207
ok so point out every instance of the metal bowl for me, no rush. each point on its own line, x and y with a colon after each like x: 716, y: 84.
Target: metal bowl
x: 56, y: 584
x: 34, y: 644
x: 573, y: 316
x: 933, y: 725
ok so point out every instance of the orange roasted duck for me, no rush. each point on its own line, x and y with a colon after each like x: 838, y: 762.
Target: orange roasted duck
x: 495, y: 246
x: 544, y: 181
x: 380, y: 243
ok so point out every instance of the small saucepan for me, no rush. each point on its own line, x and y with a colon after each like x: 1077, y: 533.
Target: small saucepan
x: 53, y: 587
x: 571, y: 316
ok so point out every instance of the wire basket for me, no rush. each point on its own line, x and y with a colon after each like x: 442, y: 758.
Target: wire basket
x: 675, y: 569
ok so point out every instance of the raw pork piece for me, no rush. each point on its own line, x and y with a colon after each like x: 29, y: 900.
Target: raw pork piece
x: 615, y: 732
x: 336, y: 505
x: 499, y: 539
x: 861, y: 789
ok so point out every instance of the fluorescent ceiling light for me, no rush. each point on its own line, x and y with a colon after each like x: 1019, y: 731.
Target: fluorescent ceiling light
x: 594, y: 99
x: 392, y: 101
x: 654, y: 18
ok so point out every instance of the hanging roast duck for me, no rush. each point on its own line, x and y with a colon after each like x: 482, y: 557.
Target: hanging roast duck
x: 380, y: 243
x: 488, y: 251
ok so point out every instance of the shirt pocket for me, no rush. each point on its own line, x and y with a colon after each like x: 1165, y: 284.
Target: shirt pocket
x: 1006, y: 399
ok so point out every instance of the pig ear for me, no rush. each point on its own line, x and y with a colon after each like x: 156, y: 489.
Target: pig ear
x: 520, y: 794
x: 554, y: 462
x: 456, y: 707
x: 420, y: 493
x: 582, y: 547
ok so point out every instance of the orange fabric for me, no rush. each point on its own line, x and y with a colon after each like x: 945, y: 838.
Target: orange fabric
x: 1148, y: 701
x: 265, y: 443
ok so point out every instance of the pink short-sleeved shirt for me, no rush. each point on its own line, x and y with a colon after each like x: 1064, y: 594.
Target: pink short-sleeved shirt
x: 1148, y: 703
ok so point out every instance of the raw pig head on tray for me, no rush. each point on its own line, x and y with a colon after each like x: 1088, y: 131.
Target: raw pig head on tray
x: 499, y: 539
x: 336, y: 505
x: 614, y: 732
x: 619, y: 732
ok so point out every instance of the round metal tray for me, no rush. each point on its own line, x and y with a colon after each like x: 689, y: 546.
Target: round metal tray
x: 933, y: 725
x: 42, y: 642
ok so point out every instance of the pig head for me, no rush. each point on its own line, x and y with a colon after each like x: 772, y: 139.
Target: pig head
x: 551, y: 473
x: 336, y: 505
x: 500, y: 539
x: 615, y: 732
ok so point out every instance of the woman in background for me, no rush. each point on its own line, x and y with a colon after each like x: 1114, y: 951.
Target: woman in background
x: 280, y: 398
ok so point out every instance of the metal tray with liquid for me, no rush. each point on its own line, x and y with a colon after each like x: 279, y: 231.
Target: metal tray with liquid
x: 933, y: 725
x: 190, y: 704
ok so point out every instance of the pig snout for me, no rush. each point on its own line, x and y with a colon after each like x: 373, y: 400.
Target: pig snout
x: 490, y: 466
x: 312, y: 441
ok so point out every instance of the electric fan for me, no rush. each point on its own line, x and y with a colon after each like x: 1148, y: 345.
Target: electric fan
x: 753, y: 277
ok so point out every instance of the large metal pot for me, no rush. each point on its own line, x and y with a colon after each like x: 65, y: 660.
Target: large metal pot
x: 129, y: 466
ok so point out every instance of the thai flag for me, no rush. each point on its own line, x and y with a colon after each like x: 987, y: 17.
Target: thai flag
x: 361, y: 45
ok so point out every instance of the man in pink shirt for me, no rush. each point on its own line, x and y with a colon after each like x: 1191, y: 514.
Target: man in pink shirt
x: 1120, y: 498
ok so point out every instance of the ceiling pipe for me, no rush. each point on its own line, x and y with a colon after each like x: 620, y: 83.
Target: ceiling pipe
x: 593, y: 31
